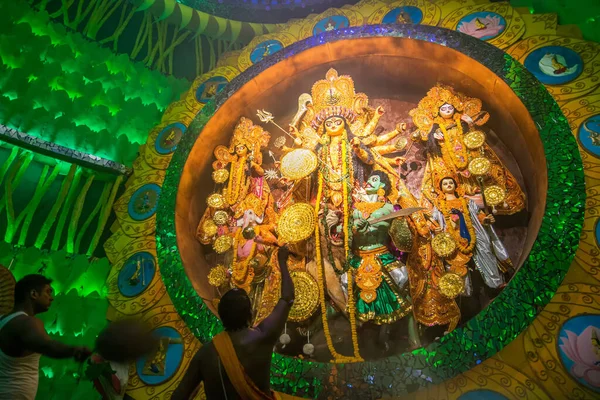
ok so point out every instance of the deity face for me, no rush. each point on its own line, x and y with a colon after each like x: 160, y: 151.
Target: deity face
x: 446, y: 111
x: 374, y: 184
x: 241, y: 150
x: 334, y: 126
x: 448, y: 186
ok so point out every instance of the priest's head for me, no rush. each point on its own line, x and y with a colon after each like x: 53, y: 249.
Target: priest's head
x: 235, y: 310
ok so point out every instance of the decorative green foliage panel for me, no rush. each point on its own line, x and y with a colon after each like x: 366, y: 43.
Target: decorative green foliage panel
x: 56, y: 85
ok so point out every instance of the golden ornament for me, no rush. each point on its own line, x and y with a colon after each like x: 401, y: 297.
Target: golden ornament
x: 296, y: 223
x: 443, y: 244
x: 480, y: 166
x: 220, y: 218
x: 217, y: 276
x: 401, y: 234
x: 216, y: 200
x: 306, y: 299
x: 494, y: 195
x: 298, y: 164
x: 451, y: 285
x: 222, y: 244
x: 220, y: 175
x: 401, y: 143
x: 474, y: 140
x: 209, y: 228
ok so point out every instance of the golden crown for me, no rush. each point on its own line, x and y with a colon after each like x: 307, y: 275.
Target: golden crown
x: 331, y: 96
x: 428, y: 108
x: 254, y: 137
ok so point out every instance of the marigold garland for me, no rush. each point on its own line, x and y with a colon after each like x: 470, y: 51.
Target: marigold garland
x: 456, y: 163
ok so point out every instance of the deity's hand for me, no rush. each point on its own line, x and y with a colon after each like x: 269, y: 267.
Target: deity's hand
x: 399, y: 160
x: 294, y: 131
x: 401, y: 126
x: 467, y: 119
x: 489, y: 219
x: 438, y: 135
x: 361, y: 223
x: 379, y: 110
x: 355, y: 142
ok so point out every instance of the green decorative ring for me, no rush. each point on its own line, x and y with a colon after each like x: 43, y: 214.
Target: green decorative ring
x: 484, y: 335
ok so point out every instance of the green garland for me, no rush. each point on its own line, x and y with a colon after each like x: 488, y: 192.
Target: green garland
x: 58, y: 86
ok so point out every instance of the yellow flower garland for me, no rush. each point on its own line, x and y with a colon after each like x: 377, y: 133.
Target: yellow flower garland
x: 233, y: 196
x: 337, y: 358
x: 450, y: 162
x: 456, y: 233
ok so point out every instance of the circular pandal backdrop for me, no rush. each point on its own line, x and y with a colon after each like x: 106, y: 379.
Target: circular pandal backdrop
x: 484, y: 335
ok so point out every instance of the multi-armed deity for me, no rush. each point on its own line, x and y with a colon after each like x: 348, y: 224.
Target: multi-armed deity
x: 365, y: 247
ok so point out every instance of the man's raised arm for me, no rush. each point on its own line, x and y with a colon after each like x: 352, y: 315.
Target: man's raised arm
x: 36, y: 339
x: 274, y: 323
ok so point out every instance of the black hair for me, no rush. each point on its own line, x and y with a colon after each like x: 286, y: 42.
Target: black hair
x: 28, y: 283
x: 384, y: 179
x: 235, y: 310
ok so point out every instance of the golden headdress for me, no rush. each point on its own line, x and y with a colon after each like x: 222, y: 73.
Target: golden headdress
x: 254, y: 137
x: 331, y: 96
x: 428, y: 108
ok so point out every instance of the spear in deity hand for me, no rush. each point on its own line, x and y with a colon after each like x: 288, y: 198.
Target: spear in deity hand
x: 267, y: 117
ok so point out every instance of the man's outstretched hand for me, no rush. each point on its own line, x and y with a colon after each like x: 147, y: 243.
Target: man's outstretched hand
x: 282, y: 256
x: 80, y: 354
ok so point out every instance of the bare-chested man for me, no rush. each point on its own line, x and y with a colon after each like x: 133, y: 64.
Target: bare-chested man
x: 23, y: 340
x: 236, y: 364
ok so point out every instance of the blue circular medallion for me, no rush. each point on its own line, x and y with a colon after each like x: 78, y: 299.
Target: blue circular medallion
x: 483, y: 25
x: 483, y: 394
x: 265, y: 49
x: 331, y: 24
x: 554, y: 65
x: 159, y: 367
x: 167, y: 139
x: 579, y: 349
x: 136, y: 274
x: 589, y: 135
x: 208, y: 89
x: 143, y: 202
x: 403, y: 15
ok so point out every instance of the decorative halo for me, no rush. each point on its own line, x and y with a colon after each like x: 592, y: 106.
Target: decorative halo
x: 221, y: 217
x: 480, y: 166
x: 220, y: 175
x: 216, y: 200
x: 298, y: 164
x: 217, y: 276
x: 222, y: 244
x: 297, y: 222
x: 451, y: 285
x: 209, y: 227
x: 306, y: 297
x: 474, y: 140
x: 443, y: 244
x: 494, y: 195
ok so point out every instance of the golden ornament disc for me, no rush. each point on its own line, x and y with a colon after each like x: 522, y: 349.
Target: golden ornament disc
x: 306, y: 299
x: 474, y: 140
x: 494, y: 195
x: 480, y: 166
x: 298, y: 164
x: 217, y: 276
x: 209, y: 228
x: 220, y: 218
x: 296, y: 223
x: 215, y: 200
x: 401, y: 143
x: 451, y: 285
x: 443, y: 244
x: 222, y: 244
x: 220, y: 175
